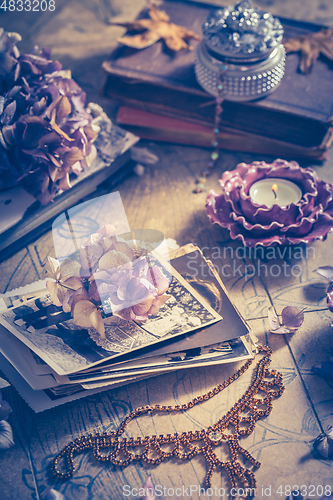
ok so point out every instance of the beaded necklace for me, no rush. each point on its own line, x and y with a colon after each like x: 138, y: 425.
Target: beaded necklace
x: 245, y: 413
x: 201, y: 180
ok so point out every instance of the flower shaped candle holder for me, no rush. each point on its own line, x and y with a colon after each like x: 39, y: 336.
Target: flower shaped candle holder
x: 273, y: 204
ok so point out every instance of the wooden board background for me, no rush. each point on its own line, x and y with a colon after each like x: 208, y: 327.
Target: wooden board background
x: 163, y: 200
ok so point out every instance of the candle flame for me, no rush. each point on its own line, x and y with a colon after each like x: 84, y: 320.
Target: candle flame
x: 274, y: 189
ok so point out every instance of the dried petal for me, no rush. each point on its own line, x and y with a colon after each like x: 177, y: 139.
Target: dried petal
x: 53, y: 289
x: 54, y: 495
x: 5, y: 410
x: 52, y: 266
x: 8, y: 114
x: 6, y: 435
x: 158, y: 279
x: 86, y: 314
x: 142, y: 308
x: 143, y: 155
x: 120, y: 246
x: 273, y: 319
x: 325, y: 369
x: 70, y: 267
x: 326, y: 272
x: 148, y: 488
x: 113, y: 259
x: 282, y: 330
x: 330, y: 297
x: 292, y: 317
x: 107, y: 231
x: 64, y: 183
x: 63, y: 108
x: 324, y: 443
x: 89, y: 255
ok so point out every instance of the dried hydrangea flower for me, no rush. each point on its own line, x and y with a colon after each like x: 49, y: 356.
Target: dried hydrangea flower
x: 112, y: 269
x: 46, y: 134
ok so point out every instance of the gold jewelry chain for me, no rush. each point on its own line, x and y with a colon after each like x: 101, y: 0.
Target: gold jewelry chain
x: 242, y: 417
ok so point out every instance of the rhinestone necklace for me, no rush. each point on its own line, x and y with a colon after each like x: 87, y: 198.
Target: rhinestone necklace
x: 242, y: 417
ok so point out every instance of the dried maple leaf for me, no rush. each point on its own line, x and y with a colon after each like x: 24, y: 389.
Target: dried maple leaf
x: 156, y: 28
x: 311, y: 46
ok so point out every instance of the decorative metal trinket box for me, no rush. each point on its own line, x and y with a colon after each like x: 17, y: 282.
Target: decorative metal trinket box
x: 241, y: 51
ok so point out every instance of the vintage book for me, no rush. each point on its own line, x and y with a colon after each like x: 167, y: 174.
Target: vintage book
x: 299, y: 112
x: 23, y: 219
x: 166, y: 129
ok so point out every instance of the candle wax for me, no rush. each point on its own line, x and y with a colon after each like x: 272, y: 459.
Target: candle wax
x: 287, y: 192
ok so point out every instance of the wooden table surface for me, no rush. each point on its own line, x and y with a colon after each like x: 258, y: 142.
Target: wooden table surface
x: 162, y: 199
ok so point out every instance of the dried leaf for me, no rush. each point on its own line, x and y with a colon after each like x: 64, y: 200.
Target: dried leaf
x: 326, y: 272
x: 311, y: 46
x: 140, y: 41
x: 156, y: 28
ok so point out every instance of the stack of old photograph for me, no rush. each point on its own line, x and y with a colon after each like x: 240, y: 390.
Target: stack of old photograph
x: 50, y: 360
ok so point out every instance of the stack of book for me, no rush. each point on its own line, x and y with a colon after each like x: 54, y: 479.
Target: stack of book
x: 51, y: 361
x: 161, y: 99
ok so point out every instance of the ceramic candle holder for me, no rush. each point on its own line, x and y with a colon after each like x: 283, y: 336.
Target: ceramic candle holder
x: 254, y: 224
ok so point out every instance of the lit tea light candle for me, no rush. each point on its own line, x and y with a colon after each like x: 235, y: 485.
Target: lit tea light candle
x: 275, y: 191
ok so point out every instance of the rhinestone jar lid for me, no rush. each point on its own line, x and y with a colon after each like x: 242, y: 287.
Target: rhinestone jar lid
x: 242, y: 32
x: 243, y: 42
